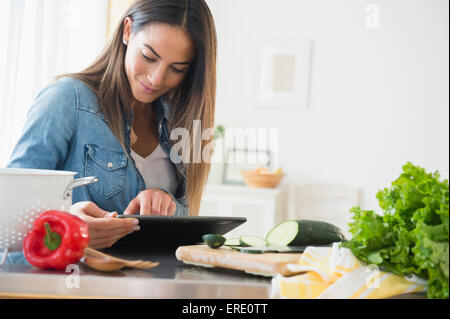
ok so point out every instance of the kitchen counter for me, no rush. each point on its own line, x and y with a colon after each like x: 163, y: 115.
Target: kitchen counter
x: 171, y: 279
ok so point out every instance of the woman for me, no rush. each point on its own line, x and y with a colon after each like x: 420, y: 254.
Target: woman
x: 113, y: 119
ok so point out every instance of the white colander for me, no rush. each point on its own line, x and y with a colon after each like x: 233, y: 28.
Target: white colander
x: 25, y: 194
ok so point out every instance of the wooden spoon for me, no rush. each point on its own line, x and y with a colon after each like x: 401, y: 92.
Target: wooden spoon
x: 104, y: 262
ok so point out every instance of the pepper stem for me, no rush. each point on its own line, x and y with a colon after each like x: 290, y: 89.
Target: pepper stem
x: 52, y: 240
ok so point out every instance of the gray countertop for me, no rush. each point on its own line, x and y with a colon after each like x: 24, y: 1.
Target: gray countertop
x: 171, y: 279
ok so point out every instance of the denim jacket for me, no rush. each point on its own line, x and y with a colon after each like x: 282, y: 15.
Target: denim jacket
x: 66, y: 130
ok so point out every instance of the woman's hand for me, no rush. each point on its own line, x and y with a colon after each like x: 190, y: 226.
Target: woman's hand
x: 152, y: 201
x: 104, y: 228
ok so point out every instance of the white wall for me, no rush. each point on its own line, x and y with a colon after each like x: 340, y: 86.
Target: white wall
x: 88, y: 34
x: 378, y: 97
x: 69, y: 37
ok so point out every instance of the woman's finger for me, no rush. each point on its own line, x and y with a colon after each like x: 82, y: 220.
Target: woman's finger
x: 107, y: 233
x: 133, y: 207
x: 156, y: 204
x: 91, y: 209
x: 112, y: 215
x: 146, y: 203
x: 112, y: 223
x: 165, y: 205
x: 109, y: 240
x: 172, y: 208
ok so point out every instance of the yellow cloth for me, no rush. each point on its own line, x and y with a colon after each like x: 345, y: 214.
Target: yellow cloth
x: 336, y: 273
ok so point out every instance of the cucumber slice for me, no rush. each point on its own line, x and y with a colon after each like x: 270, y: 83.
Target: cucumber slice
x: 283, y: 234
x: 304, y: 232
x: 232, y: 242
x: 251, y: 240
x: 213, y: 240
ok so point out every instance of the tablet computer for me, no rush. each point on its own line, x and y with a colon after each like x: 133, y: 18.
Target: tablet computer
x: 174, y: 231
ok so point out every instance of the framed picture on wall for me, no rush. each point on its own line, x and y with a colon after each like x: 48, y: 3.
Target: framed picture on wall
x: 284, y: 72
x: 238, y: 160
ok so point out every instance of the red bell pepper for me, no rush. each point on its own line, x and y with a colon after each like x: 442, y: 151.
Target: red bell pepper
x: 56, y: 240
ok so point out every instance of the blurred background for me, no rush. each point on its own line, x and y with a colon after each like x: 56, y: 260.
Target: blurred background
x: 351, y: 89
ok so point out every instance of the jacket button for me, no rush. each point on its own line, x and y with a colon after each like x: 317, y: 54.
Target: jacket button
x: 110, y: 165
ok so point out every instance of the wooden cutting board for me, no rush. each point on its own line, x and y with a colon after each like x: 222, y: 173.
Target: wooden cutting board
x: 266, y: 264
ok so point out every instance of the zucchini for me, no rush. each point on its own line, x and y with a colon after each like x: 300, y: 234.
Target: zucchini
x: 304, y: 232
x: 232, y: 242
x: 213, y: 240
x: 251, y: 240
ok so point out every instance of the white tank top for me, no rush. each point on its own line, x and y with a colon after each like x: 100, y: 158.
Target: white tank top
x: 157, y: 170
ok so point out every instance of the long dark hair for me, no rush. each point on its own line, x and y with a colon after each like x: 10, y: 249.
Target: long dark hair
x: 193, y: 99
